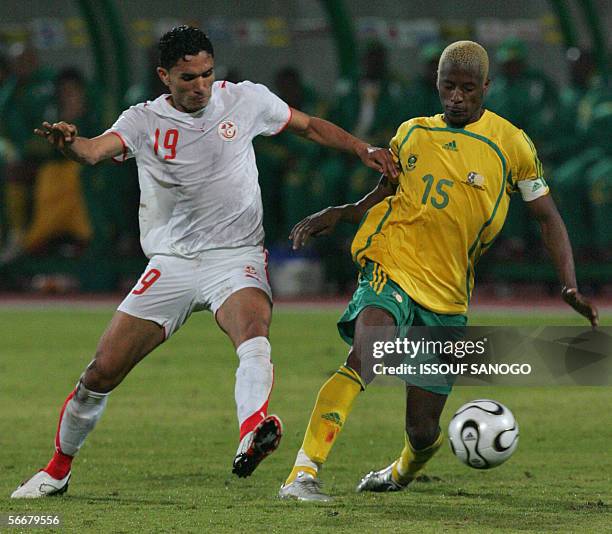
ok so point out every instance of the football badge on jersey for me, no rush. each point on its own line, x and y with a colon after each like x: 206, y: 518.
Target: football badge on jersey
x: 475, y: 180
x: 227, y: 130
x: 412, y: 161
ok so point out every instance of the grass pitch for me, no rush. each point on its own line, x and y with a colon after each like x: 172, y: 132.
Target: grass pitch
x: 160, y: 458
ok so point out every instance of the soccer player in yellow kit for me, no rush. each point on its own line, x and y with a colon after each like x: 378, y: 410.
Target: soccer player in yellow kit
x: 417, y: 245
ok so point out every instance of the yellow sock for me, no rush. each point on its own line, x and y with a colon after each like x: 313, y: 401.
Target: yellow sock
x: 298, y: 468
x: 333, y: 406
x: 411, y: 461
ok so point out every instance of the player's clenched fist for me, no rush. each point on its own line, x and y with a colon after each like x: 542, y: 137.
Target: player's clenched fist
x: 58, y: 134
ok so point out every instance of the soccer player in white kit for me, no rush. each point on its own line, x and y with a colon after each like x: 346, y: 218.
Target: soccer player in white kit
x: 201, y: 228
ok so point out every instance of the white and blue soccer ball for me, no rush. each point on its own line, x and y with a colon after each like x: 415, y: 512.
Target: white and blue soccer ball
x: 483, y: 434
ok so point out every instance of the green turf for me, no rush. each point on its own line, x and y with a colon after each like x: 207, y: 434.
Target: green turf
x: 160, y: 458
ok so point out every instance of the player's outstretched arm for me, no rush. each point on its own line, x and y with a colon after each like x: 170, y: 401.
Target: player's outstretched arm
x: 328, y: 134
x: 557, y: 243
x: 324, y: 222
x: 64, y: 137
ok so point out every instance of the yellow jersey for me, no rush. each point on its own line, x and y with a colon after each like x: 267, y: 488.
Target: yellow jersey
x: 450, y: 205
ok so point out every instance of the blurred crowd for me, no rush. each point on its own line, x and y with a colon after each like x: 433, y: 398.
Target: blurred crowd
x: 51, y: 206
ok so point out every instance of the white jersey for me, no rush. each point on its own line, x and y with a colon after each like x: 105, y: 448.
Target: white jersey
x: 197, y: 172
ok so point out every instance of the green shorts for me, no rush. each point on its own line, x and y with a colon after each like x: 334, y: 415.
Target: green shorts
x: 377, y: 290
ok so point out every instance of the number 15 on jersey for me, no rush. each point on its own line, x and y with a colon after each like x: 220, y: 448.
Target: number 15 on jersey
x: 440, y: 200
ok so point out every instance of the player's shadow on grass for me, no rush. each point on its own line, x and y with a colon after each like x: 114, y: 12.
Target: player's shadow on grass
x: 116, y: 499
x: 469, y: 513
x: 525, y: 501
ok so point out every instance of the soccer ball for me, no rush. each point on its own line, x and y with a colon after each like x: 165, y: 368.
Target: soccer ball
x: 483, y: 434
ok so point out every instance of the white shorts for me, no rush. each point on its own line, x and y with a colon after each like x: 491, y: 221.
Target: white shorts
x: 172, y: 288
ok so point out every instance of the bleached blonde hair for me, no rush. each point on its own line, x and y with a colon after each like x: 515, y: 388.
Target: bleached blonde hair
x: 466, y: 55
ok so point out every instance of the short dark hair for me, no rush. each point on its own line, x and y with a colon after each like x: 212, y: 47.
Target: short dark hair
x: 180, y: 42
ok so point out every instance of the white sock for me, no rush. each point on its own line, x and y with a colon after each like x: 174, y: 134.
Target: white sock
x: 254, y: 378
x: 79, y: 418
x: 302, y: 460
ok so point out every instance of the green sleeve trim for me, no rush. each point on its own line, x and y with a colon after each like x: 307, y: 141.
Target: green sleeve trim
x: 378, y: 229
x: 511, y: 181
x: 537, y: 162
